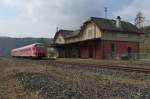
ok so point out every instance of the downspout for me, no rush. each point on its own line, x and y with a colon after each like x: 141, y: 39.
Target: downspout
x: 103, y: 48
x: 96, y: 40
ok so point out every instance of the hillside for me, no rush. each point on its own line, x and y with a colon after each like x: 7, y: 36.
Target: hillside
x: 7, y: 43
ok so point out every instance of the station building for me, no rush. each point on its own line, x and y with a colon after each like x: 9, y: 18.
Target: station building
x: 99, y: 38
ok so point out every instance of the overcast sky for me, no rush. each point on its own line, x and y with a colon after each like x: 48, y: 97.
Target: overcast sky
x: 39, y: 18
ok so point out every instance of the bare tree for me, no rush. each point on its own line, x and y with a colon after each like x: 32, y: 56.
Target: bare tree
x: 139, y: 20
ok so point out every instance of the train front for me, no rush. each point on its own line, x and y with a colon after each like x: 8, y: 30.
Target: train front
x: 40, y: 51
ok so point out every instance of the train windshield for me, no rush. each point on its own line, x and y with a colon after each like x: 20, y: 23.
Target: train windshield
x: 40, y: 47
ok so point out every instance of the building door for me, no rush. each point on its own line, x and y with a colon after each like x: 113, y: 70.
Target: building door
x: 79, y: 53
x: 113, y: 50
x: 90, y: 52
x: 129, y: 50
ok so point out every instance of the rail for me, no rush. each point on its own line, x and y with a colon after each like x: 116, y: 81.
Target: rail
x: 118, y: 68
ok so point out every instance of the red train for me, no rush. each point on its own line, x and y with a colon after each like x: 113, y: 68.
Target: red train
x: 36, y: 50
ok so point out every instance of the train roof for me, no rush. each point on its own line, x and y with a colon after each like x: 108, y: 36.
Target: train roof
x: 27, y: 46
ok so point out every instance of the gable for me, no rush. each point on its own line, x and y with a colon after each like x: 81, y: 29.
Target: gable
x: 91, y: 31
x: 59, y: 39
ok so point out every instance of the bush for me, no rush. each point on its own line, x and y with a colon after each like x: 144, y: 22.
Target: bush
x: 125, y: 57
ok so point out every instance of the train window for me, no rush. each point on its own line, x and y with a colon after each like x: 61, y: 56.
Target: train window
x: 40, y: 47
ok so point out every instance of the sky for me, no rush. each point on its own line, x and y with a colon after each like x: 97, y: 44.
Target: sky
x: 39, y: 18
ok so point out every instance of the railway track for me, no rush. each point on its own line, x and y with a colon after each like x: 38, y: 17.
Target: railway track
x: 117, y: 68
x: 97, y: 66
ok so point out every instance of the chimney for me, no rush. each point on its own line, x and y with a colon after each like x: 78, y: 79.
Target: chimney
x: 118, y: 22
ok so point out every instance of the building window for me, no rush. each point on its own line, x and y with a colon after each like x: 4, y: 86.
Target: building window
x: 59, y: 39
x: 89, y: 31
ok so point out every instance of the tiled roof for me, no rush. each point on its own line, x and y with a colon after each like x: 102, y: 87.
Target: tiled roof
x: 104, y: 24
x: 65, y: 32
x: 73, y: 34
x: 108, y: 24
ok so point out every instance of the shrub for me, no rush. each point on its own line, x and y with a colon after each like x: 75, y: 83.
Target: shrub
x: 125, y: 57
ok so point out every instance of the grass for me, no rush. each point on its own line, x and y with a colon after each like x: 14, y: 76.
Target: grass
x: 75, y: 82
x: 10, y: 87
